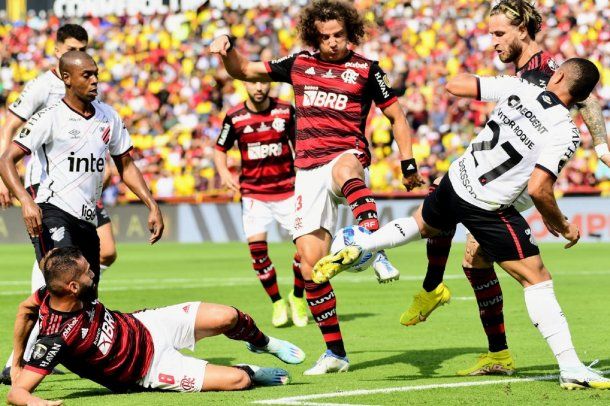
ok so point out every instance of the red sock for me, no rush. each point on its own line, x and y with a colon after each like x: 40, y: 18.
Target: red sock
x: 488, y: 292
x: 246, y: 330
x: 361, y: 202
x: 323, y: 306
x: 299, y: 282
x: 264, y: 269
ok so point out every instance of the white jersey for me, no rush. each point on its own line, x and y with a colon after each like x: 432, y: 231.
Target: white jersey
x: 529, y: 127
x: 44, y: 91
x: 72, y: 154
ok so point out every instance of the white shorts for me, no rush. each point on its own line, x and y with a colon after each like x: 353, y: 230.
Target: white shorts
x: 316, y: 201
x: 172, y: 328
x: 258, y: 214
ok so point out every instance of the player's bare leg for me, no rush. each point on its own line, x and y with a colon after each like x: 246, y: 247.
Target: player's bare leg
x: 214, y: 319
x: 265, y: 271
x: 322, y: 304
x: 108, y: 253
x: 348, y: 180
x: 486, y: 286
x: 547, y: 316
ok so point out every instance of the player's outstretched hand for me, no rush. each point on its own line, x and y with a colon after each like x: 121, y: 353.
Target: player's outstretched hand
x: 32, y: 217
x: 412, y: 181
x: 572, y: 235
x: 220, y: 45
x: 155, y: 225
x: 5, y: 196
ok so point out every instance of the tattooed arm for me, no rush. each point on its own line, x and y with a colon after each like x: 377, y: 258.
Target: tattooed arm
x: 591, y: 112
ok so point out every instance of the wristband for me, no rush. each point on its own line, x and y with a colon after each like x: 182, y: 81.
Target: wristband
x: 601, y: 150
x: 408, y: 166
x: 231, y: 42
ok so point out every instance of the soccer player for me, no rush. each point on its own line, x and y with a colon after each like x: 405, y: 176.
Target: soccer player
x: 131, y: 351
x: 513, y: 25
x: 42, y: 92
x: 264, y: 130
x: 71, y: 139
x: 527, y: 141
x: 334, y: 88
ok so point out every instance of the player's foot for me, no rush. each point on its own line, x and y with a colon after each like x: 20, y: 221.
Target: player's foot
x: 5, y: 377
x: 327, y: 363
x: 298, y: 310
x: 268, y: 376
x: 333, y: 264
x: 583, y: 377
x: 491, y: 363
x: 424, y: 303
x: 280, y: 313
x: 384, y: 270
x: 285, y: 351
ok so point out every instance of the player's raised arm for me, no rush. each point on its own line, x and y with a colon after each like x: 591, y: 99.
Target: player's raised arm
x: 592, y: 115
x: 22, y: 388
x: 464, y: 85
x: 238, y: 66
x: 132, y: 177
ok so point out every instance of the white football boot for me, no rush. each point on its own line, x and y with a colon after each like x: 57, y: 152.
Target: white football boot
x: 384, y: 270
x: 328, y: 362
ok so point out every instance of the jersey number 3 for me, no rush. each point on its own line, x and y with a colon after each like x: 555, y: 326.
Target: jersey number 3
x: 514, y: 157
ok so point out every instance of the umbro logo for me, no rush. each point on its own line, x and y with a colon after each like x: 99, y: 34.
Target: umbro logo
x: 248, y: 130
x: 74, y: 133
x: 57, y: 233
x: 310, y: 71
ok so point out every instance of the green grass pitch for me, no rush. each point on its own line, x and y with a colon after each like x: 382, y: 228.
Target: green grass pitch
x: 421, y: 360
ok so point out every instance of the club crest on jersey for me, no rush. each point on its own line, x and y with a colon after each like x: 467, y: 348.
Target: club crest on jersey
x: 349, y: 76
x: 57, y: 233
x: 187, y: 383
x: 329, y: 74
x: 105, y: 134
x: 279, y: 124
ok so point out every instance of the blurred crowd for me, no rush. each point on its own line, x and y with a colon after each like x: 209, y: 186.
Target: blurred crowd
x: 172, y: 95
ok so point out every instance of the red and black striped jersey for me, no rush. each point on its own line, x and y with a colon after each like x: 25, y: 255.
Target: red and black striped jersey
x: 111, y: 348
x: 333, y: 100
x: 264, y: 139
x: 539, y: 69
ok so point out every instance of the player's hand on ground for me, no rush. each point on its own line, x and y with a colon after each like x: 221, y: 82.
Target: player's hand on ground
x: 5, y: 196
x: 572, y: 235
x: 412, y: 181
x: 220, y: 45
x: 155, y: 225
x: 606, y: 159
x: 32, y: 217
x: 228, y: 182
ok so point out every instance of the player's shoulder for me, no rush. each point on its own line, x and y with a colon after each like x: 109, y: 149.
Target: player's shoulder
x: 50, y: 112
x: 235, y: 110
x: 360, y: 61
x: 304, y: 54
x: 106, y: 109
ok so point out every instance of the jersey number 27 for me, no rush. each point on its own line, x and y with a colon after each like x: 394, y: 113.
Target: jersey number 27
x: 514, y: 157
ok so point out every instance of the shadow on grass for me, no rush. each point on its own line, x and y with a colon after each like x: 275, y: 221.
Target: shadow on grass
x: 353, y: 316
x: 87, y: 393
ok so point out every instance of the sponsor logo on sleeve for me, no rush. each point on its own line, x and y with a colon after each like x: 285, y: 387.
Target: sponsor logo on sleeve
x: 383, y: 83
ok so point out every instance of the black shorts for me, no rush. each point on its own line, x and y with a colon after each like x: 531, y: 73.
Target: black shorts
x: 503, y: 235
x: 103, y: 217
x: 60, y: 229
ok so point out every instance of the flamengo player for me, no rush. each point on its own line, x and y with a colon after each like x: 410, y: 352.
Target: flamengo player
x: 264, y: 130
x: 527, y: 141
x: 334, y: 88
x: 131, y: 351
x: 513, y: 25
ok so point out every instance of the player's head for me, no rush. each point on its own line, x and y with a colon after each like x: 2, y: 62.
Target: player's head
x: 67, y: 273
x: 577, y: 77
x: 79, y: 72
x: 330, y: 26
x: 70, y: 37
x: 512, y: 25
x: 258, y: 91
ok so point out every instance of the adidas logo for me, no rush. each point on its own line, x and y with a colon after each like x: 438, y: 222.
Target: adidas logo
x: 410, y: 167
x: 248, y: 130
x: 310, y: 71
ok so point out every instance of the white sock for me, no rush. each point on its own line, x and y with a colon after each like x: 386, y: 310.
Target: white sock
x: 397, y: 232
x: 9, y: 363
x: 546, y: 314
x: 37, y: 277
x: 103, y: 268
x: 31, y: 342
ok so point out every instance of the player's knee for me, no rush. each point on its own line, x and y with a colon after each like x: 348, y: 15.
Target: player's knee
x: 239, y: 380
x: 107, y: 258
x: 474, y: 257
x: 222, y: 318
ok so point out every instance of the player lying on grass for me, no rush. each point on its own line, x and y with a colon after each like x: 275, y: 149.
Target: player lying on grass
x: 131, y: 351
x: 527, y: 141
